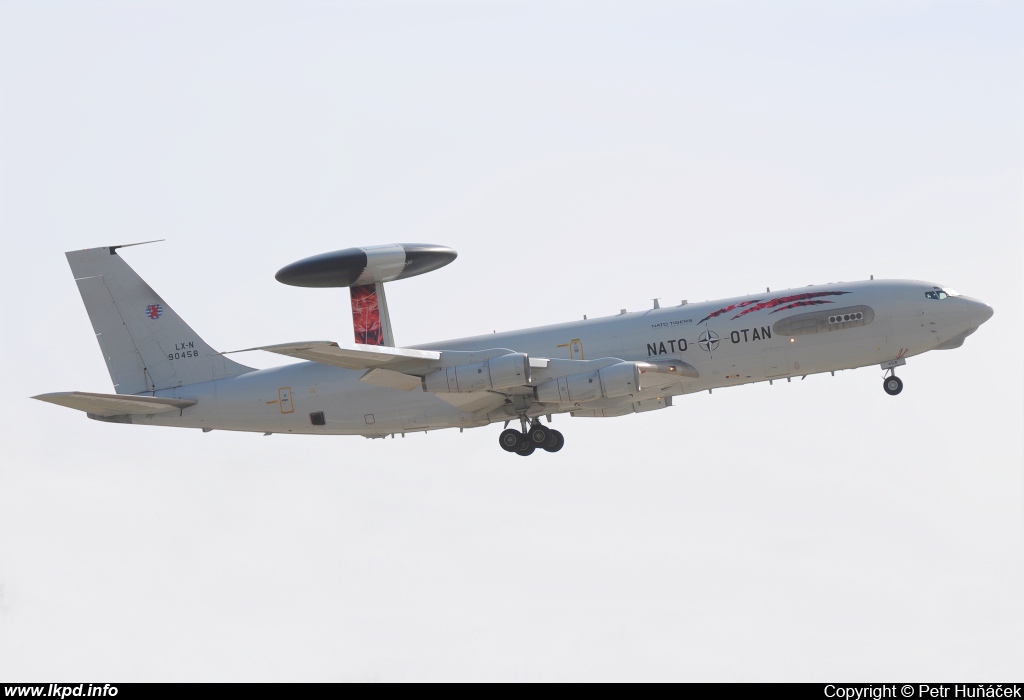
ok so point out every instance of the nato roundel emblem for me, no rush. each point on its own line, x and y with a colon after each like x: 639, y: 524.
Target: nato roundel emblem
x: 708, y: 340
x: 154, y: 311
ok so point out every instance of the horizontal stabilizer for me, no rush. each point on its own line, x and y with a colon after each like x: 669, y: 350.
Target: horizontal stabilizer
x: 351, y: 356
x: 115, y: 404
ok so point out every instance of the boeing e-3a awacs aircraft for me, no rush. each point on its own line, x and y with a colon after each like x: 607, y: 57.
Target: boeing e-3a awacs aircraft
x: 165, y: 374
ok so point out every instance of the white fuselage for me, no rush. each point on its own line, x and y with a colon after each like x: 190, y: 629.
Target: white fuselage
x: 739, y: 346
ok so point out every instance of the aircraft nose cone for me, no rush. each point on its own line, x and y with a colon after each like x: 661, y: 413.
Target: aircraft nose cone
x: 980, y: 312
x: 988, y: 312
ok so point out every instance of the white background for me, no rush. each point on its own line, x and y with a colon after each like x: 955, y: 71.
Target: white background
x: 581, y: 157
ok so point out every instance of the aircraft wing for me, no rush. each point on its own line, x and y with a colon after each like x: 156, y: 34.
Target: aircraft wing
x: 115, y: 404
x: 658, y: 372
x: 658, y: 375
x: 404, y: 369
x: 354, y: 355
x: 397, y: 368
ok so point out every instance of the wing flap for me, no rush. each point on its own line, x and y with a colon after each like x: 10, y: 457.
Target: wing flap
x: 115, y: 404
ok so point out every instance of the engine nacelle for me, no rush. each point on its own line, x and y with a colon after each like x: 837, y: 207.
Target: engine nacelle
x: 607, y: 383
x: 500, y: 372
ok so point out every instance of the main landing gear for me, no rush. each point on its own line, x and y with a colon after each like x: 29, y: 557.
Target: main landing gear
x: 531, y: 438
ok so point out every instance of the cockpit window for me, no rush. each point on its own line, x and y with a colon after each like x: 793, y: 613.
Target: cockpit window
x: 941, y: 293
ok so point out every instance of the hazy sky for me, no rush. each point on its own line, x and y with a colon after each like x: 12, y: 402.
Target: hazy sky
x: 582, y: 157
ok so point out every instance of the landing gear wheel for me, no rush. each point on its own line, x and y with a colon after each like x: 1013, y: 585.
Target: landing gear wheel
x: 510, y: 440
x: 526, y: 449
x: 538, y: 435
x: 892, y: 385
x: 555, y: 442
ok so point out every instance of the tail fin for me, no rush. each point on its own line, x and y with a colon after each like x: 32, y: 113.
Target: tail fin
x: 146, y: 345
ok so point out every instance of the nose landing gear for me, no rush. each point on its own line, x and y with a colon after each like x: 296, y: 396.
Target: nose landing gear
x: 530, y: 439
x: 893, y: 384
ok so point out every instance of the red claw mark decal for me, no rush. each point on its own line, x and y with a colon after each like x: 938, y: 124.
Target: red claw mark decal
x: 727, y: 309
x: 796, y: 304
x: 779, y: 301
x: 366, y: 315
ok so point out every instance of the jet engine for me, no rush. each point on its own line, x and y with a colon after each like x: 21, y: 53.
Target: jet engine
x: 607, y: 383
x: 500, y: 372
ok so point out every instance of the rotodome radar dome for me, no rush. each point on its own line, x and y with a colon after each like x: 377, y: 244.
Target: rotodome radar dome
x: 357, y: 266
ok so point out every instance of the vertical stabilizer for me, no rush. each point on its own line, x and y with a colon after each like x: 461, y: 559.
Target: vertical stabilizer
x: 145, y: 344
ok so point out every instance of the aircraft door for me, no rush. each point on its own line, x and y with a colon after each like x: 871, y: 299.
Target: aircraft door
x: 284, y: 399
x: 575, y: 349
